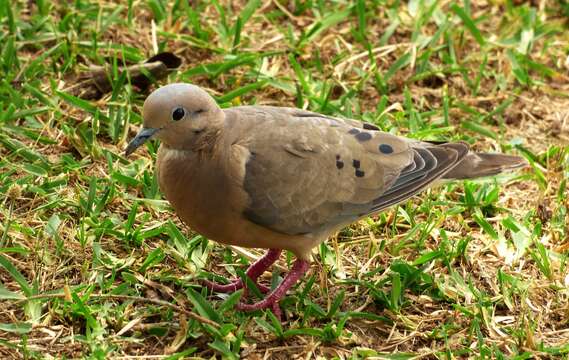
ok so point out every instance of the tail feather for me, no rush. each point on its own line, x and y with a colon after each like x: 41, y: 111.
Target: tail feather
x: 483, y: 164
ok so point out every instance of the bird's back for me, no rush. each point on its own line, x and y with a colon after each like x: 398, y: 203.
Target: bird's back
x: 310, y: 173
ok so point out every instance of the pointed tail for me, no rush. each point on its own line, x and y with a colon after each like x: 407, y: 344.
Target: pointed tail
x: 476, y: 165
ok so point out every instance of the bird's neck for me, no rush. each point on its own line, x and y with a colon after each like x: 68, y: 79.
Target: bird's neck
x: 207, y: 142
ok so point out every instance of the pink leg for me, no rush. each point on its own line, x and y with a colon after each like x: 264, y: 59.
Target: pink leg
x: 253, y: 272
x: 299, y: 268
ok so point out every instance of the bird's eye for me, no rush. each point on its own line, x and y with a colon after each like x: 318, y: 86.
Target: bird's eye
x: 178, y: 113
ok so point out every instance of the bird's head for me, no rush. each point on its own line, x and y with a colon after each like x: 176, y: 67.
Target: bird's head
x: 178, y: 115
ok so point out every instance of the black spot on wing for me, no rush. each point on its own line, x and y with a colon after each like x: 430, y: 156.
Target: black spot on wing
x: 385, y: 149
x: 339, y: 163
x: 353, y: 131
x: 363, y: 136
x: 368, y: 126
x: 356, y: 164
x: 360, y: 173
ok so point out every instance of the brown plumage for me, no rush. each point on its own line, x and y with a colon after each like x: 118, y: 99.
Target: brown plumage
x: 284, y: 178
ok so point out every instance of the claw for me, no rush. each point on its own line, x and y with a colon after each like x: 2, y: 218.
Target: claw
x: 299, y: 268
x: 223, y: 288
x: 271, y: 301
x: 253, y: 272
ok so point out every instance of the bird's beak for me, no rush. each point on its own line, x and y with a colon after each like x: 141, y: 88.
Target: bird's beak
x: 143, y: 135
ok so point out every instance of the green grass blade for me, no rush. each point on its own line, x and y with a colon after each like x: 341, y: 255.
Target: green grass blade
x: 16, y: 275
x: 469, y: 23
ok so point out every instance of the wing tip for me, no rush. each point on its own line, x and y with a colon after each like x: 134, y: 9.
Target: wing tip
x: 476, y: 165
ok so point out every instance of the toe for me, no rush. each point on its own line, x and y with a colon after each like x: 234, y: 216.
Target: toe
x: 223, y: 288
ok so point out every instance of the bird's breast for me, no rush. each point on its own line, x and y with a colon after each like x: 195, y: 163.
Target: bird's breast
x: 203, y: 190
x: 209, y: 197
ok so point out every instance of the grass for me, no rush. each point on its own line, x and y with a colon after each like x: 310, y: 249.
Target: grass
x: 94, y: 264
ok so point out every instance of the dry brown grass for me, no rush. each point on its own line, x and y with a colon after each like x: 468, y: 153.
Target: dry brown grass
x: 469, y: 309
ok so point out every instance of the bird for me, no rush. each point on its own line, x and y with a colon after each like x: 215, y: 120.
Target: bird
x: 282, y: 178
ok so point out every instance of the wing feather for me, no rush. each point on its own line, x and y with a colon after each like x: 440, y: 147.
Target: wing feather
x: 309, y: 172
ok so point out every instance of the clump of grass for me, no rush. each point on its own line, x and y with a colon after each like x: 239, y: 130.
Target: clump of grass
x: 94, y: 264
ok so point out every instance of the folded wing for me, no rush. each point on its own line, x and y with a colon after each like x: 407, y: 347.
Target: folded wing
x: 307, y: 172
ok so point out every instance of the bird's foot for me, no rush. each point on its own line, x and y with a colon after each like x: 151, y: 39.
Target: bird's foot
x: 253, y: 272
x: 271, y: 301
x: 233, y: 286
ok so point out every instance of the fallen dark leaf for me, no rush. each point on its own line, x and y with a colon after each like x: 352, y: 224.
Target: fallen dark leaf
x: 94, y: 84
x: 167, y: 58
